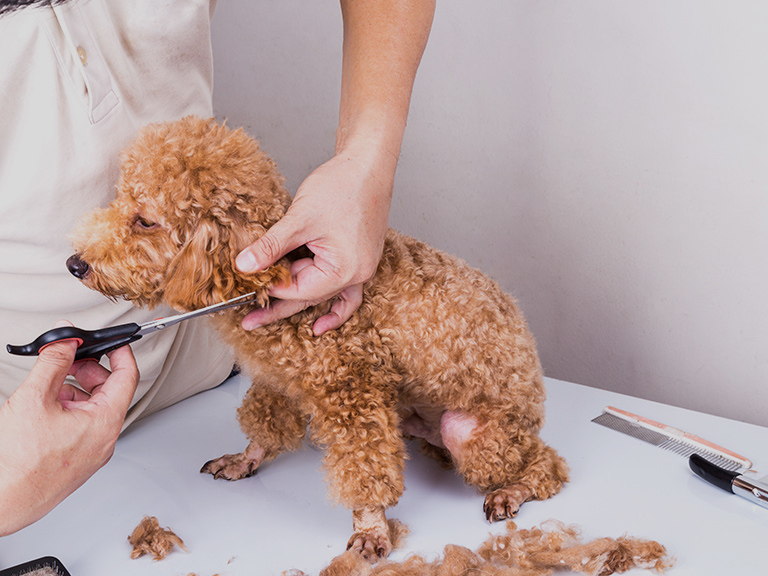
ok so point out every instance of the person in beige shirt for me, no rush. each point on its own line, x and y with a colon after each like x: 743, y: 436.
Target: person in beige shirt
x: 79, y: 78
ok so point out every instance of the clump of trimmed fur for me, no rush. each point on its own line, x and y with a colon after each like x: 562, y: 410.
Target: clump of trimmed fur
x: 149, y: 538
x: 541, y: 551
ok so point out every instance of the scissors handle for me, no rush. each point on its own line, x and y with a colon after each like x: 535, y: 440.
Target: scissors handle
x: 93, y: 343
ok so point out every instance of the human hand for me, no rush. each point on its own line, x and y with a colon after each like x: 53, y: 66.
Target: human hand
x: 341, y: 210
x: 340, y: 213
x: 54, y: 436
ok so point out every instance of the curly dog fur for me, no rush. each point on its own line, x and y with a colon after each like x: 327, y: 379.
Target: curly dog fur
x: 540, y: 551
x: 436, y: 350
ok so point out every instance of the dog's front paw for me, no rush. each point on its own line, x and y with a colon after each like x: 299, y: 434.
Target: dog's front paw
x: 505, y: 502
x: 370, y: 544
x: 232, y: 467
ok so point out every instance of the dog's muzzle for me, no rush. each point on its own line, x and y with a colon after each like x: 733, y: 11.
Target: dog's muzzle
x: 77, y: 266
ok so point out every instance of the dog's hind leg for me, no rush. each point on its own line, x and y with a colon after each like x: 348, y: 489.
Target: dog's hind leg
x: 509, y: 464
x: 272, y: 424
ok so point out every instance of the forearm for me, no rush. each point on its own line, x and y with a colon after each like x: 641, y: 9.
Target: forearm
x: 27, y: 491
x: 341, y: 211
x: 383, y: 44
x: 35, y: 474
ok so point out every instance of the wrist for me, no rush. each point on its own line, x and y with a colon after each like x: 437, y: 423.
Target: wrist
x: 376, y: 130
x: 372, y: 141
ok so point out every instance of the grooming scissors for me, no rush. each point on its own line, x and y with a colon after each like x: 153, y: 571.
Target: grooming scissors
x: 92, y: 344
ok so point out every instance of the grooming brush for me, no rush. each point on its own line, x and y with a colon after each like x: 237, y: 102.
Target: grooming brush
x: 47, y: 566
x: 670, y: 438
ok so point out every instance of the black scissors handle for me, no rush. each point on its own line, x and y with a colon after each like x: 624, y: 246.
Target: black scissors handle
x: 93, y: 343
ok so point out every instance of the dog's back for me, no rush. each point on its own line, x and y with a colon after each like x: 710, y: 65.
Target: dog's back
x: 455, y: 336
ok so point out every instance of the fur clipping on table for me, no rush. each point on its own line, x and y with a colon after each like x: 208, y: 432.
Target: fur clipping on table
x: 541, y: 551
x: 398, y: 532
x: 149, y: 538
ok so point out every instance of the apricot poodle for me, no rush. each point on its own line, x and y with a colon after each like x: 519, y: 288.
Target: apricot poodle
x: 435, y: 351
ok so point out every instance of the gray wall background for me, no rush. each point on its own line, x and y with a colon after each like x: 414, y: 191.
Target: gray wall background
x: 605, y: 161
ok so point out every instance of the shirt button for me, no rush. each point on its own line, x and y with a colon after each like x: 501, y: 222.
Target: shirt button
x: 83, y: 55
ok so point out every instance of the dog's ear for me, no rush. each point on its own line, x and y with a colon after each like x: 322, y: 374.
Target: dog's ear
x: 203, y: 272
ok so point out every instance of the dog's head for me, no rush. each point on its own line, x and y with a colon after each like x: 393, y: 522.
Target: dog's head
x: 191, y: 195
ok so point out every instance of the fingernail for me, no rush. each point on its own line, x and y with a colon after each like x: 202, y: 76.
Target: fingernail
x: 248, y: 326
x: 246, y: 262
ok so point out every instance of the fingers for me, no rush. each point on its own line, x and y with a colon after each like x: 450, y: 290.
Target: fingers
x: 312, y: 283
x: 69, y: 395
x: 113, y: 389
x: 120, y: 386
x: 308, y: 287
x: 277, y: 310
x: 89, y: 374
x: 345, y: 305
x: 273, y: 245
x: 55, y: 362
x: 51, y: 368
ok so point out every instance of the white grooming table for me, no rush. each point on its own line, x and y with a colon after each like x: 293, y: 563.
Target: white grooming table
x: 280, y: 519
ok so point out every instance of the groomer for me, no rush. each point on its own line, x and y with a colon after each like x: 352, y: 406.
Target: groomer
x: 78, y: 78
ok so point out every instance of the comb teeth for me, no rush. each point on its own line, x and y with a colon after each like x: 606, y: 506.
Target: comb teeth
x: 678, y: 446
x: 630, y: 429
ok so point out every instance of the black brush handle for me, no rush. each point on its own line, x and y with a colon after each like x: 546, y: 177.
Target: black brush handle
x: 711, y: 473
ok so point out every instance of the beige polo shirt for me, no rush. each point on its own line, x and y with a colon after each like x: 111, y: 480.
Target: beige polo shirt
x: 76, y: 82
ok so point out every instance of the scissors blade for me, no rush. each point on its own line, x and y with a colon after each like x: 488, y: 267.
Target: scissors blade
x: 95, y: 343
x: 160, y: 323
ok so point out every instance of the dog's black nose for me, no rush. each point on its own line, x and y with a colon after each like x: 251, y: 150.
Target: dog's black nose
x: 77, y: 266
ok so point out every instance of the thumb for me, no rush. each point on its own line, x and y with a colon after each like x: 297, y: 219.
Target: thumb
x: 51, y: 368
x: 276, y: 242
x: 120, y: 386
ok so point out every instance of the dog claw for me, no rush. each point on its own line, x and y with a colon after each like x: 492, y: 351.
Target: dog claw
x: 220, y: 475
x: 494, y: 514
x: 231, y: 467
x: 370, y: 545
x: 505, y: 503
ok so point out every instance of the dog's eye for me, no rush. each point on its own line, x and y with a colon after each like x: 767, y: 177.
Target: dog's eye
x: 144, y: 223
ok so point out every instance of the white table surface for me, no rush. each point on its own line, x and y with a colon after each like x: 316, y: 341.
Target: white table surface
x: 280, y: 519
